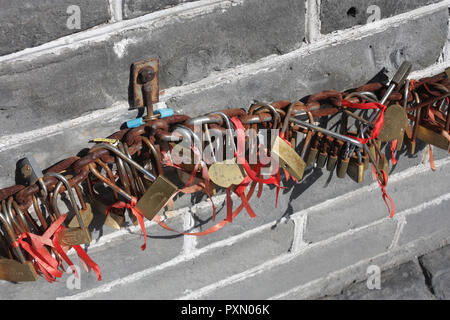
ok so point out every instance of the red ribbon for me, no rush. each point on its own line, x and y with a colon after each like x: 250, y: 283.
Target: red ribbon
x: 367, y: 106
x: 136, y: 212
x: 375, y: 133
x: 230, y: 216
x: 253, y: 174
x: 386, y: 197
x: 44, y: 262
x: 393, y: 147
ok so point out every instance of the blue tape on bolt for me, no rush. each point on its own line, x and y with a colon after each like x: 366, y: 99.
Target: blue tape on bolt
x: 163, y: 113
x: 135, y: 123
x: 166, y: 112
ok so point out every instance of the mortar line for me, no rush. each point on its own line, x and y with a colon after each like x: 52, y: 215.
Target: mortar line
x: 189, y: 242
x: 115, y: 8
x: 339, y: 273
x: 298, y: 242
x: 312, y: 20
x: 218, y: 244
x: 191, y: 9
x: 122, y: 108
x: 173, y: 262
x: 153, y: 20
x: 136, y: 229
x: 401, y: 222
x: 419, y: 169
x: 286, y: 258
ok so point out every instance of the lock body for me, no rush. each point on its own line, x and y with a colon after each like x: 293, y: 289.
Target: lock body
x: 288, y: 159
x: 153, y: 200
x: 226, y: 174
x: 14, y: 271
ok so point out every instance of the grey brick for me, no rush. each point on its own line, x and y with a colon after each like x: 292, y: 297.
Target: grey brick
x: 368, y: 207
x: 405, y: 282
x: 437, y: 266
x: 337, y: 14
x: 28, y: 23
x: 295, y: 76
x: 313, y: 264
x: 136, y: 8
x: 53, y: 88
x: 116, y: 260
x: 208, y: 268
x: 425, y: 223
x: 37, y: 103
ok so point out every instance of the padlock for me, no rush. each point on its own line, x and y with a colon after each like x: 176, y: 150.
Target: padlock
x: 314, y: 149
x: 139, y: 184
x: 383, y: 162
x: 156, y: 196
x: 288, y: 158
x: 86, y: 211
x: 98, y: 206
x: 343, y: 162
x: 333, y: 158
x: 366, y: 160
x: 32, y: 172
x: 226, y: 173
x: 70, y: 236
x: 323, y: 154
x: 430, y: 136
x: 128, y: 172
x: 355, y: 168
x: 395, y: 122
x: 10, y: 269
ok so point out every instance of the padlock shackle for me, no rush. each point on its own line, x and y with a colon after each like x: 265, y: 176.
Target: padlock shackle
x: 258, y: 106
x: 105, y: 180
x: 65, y: 182
x: 199, y: 121
x: 125, y: 158
x: 286, y: 118
x: 366, y: 95
x: 11, y: 234
x: 154, y: 153
x: 184, y: 129
x: 327, y: 132
x: 13, y: 218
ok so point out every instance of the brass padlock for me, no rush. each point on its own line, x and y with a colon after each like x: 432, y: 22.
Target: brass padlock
x: 155, y: 197
x: 11, y: 269
x: 366, y: 160
x: 185, y: 177
x: 383, y: 162
x: 288, y: 158
x: 344, y: 161
x: 314, y: 149
x: 333, y: 158
x: 323, y: 154
x: 355, y: 168
x: 70, y: 236
x: 432, y: 137
x: 113, y: 219
x: 86, y: 211
x: 225, y: 173
x: 395, y: 122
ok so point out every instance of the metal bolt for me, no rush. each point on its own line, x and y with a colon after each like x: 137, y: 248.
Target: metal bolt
x: 147, y: 74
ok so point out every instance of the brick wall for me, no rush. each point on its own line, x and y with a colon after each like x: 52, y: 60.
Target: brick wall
x: 64, y: 81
